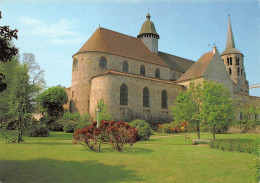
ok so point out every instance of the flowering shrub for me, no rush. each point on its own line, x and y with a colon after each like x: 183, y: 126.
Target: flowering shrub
x: 115, y: 133
x: 169, y: 128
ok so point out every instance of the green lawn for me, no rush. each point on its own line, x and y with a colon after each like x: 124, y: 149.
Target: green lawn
x: 160, y: 159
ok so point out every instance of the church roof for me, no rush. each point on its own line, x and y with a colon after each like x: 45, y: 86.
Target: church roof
x: 230, y: 45
x: 176, y: 63
x: 198, y: 68
x: 108, y: 41
x: 148, y: 27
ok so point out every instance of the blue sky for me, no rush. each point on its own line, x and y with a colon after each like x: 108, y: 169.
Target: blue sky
x: 55, y: 30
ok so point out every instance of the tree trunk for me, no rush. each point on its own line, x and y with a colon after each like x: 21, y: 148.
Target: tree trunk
x: 19, y: 137
x: 198, y: 131
x: 214, y: 136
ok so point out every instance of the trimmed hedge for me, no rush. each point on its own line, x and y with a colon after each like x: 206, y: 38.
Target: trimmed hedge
x: 234, y: 145
x: 38, y: 131
x: 143, y: 128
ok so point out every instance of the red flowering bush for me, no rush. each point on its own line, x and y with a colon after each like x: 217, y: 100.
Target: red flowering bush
x: 115, y: 133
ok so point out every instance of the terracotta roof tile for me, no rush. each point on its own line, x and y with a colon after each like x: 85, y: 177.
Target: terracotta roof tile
x: 104, y: 40
x: 198, y: 68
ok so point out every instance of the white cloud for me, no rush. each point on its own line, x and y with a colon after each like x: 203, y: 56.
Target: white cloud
x: 77, y: 40
x: 57, y: 32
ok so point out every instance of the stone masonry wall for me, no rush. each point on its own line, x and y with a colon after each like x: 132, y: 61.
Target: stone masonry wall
x: 107, y: 86
x: 88, y: 67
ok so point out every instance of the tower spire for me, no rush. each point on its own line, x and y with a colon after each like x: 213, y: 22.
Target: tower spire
x: 230, y: 37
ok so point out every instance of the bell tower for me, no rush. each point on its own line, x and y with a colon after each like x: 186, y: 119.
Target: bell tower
x: 148, y: 35
x: 234, y: 62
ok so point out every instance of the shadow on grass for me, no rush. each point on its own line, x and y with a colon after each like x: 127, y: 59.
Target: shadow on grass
x: 47, y: 170
x: 50, y: 143
x: 125, y: 150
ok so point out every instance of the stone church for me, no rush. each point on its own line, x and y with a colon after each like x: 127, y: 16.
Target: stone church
x: 130, y: 74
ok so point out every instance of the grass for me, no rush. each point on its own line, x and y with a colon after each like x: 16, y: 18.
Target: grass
x: 160, y: 159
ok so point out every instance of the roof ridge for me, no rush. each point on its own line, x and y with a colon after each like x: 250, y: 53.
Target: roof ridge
x: 118, y: 32
x: 177, y: 56
x: 202, y: 63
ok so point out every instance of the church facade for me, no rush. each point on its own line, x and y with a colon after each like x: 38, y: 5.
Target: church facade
x: 130, y: 74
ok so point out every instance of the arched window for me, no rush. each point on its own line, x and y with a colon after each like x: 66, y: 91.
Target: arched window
x: 230, y: 71
x: 75, y: 63
x: 146, y: 102
x: 164, y: 99
x: 123, y: 94
x: 103, y: 62
x: 125, y: 66
x: 157, y: 73
x: 142, y: 70
x: 230, y: 59
x: 238, y: 71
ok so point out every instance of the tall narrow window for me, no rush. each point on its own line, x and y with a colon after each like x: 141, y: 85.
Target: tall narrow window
x: 242, y: 70
x: 238, y: 71
x: 125, y: 67
x: 157, y: 73
x: 146, y: 98
x: 164, y: 99
x: 230, y: 60
x: 123, y: 94
x: 103, y: 62
x: 230, y: 71
x: 75, y: 63
x: 237, y: 60
x: 142, y: 70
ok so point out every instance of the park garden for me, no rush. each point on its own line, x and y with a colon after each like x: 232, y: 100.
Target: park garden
x: 68, y: 147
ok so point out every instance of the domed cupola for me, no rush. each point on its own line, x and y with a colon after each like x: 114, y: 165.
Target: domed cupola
x: 148, y: 35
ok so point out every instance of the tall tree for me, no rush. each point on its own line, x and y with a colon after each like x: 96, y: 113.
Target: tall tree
x: 9, y: 70
x: 26, y: 81
x: 217, y: 107
x: 207, y: 104
x: 7, y: 50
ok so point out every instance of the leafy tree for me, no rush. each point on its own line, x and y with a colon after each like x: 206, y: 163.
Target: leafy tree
x: 18, y: 101
x: 207, y: 103
x: 7, y: 50
x: 21, y: 101
x: 217, y: 107
x: 52, y: 100
x: 187, y: 107
x: 9, y: 70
